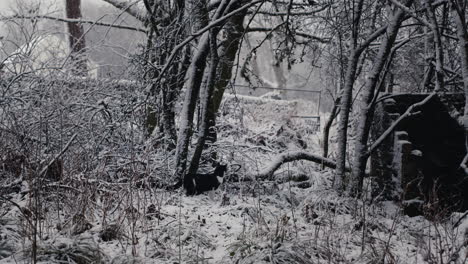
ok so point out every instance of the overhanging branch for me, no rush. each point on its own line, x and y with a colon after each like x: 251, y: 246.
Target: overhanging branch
x: 408, y: 112
x: 298, y: 33
x: 71, y: 20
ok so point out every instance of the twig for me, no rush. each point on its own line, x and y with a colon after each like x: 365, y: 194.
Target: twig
x: 71, y: 20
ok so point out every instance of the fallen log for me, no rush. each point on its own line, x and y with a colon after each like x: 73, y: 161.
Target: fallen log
x: 293, y: 156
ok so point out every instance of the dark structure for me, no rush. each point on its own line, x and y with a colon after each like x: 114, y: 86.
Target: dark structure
x: 420, y: 163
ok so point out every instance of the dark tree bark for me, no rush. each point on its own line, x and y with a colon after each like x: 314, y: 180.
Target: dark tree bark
x: 429, y: 58
x: 353, y: 60
x: 439, y: 53
x: 326, y: 130
x: 194, y: 80
x: 205, y: 102
x: 76, y: 38
x: 228, y: 50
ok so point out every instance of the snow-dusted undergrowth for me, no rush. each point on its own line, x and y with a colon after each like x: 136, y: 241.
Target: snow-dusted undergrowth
x: 106, y: 208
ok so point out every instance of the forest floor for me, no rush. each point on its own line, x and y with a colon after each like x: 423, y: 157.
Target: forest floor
x: 274, y: 221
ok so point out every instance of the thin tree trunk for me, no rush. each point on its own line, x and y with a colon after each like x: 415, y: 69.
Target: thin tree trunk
x: 205, y: 101
x: 326, y: 130
x: 164, y: 93
x: 345, y: 109
x: 253, y: 60
x: 281, y: 80
x: 353, y: 60
x: 438, y: 45
x: 195, y: 77
x: 390, y: 82
x: 429, y: 58
x: 171, y: 91
x: 168, y: 115
x: 76, y: 37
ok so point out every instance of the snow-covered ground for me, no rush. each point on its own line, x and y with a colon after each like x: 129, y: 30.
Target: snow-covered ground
x: 88, y: 219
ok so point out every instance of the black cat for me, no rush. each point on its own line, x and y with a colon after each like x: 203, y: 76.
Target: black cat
x: 195, y: 184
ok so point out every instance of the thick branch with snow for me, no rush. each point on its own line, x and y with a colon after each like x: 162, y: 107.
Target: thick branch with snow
x: 131, y: 8
x: 293, y: 156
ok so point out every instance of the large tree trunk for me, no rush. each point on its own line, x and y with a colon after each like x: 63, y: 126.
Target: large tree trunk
x: 366, y: 114
x: 438, y: 45
x: 194, y: 79
x: 76, y: 38
x: 326, y: 130
x: 346, y: 99
x: 345, y: 108
x: 169, y: 97
x: 228, y: 50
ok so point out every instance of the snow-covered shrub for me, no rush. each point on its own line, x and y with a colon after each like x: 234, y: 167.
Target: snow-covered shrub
x: 124, y: 259
x: 281, y: 253
x: 6, y: 249
x: 81, y: 251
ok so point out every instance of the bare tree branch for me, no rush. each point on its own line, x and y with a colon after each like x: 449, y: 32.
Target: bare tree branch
x: 298, y: 33
x: 74, y: 21
x: 408, y: 113
x: 214, y: 23
x: 377, y: 33
x: 411, y: 13
x: 131, y: 8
